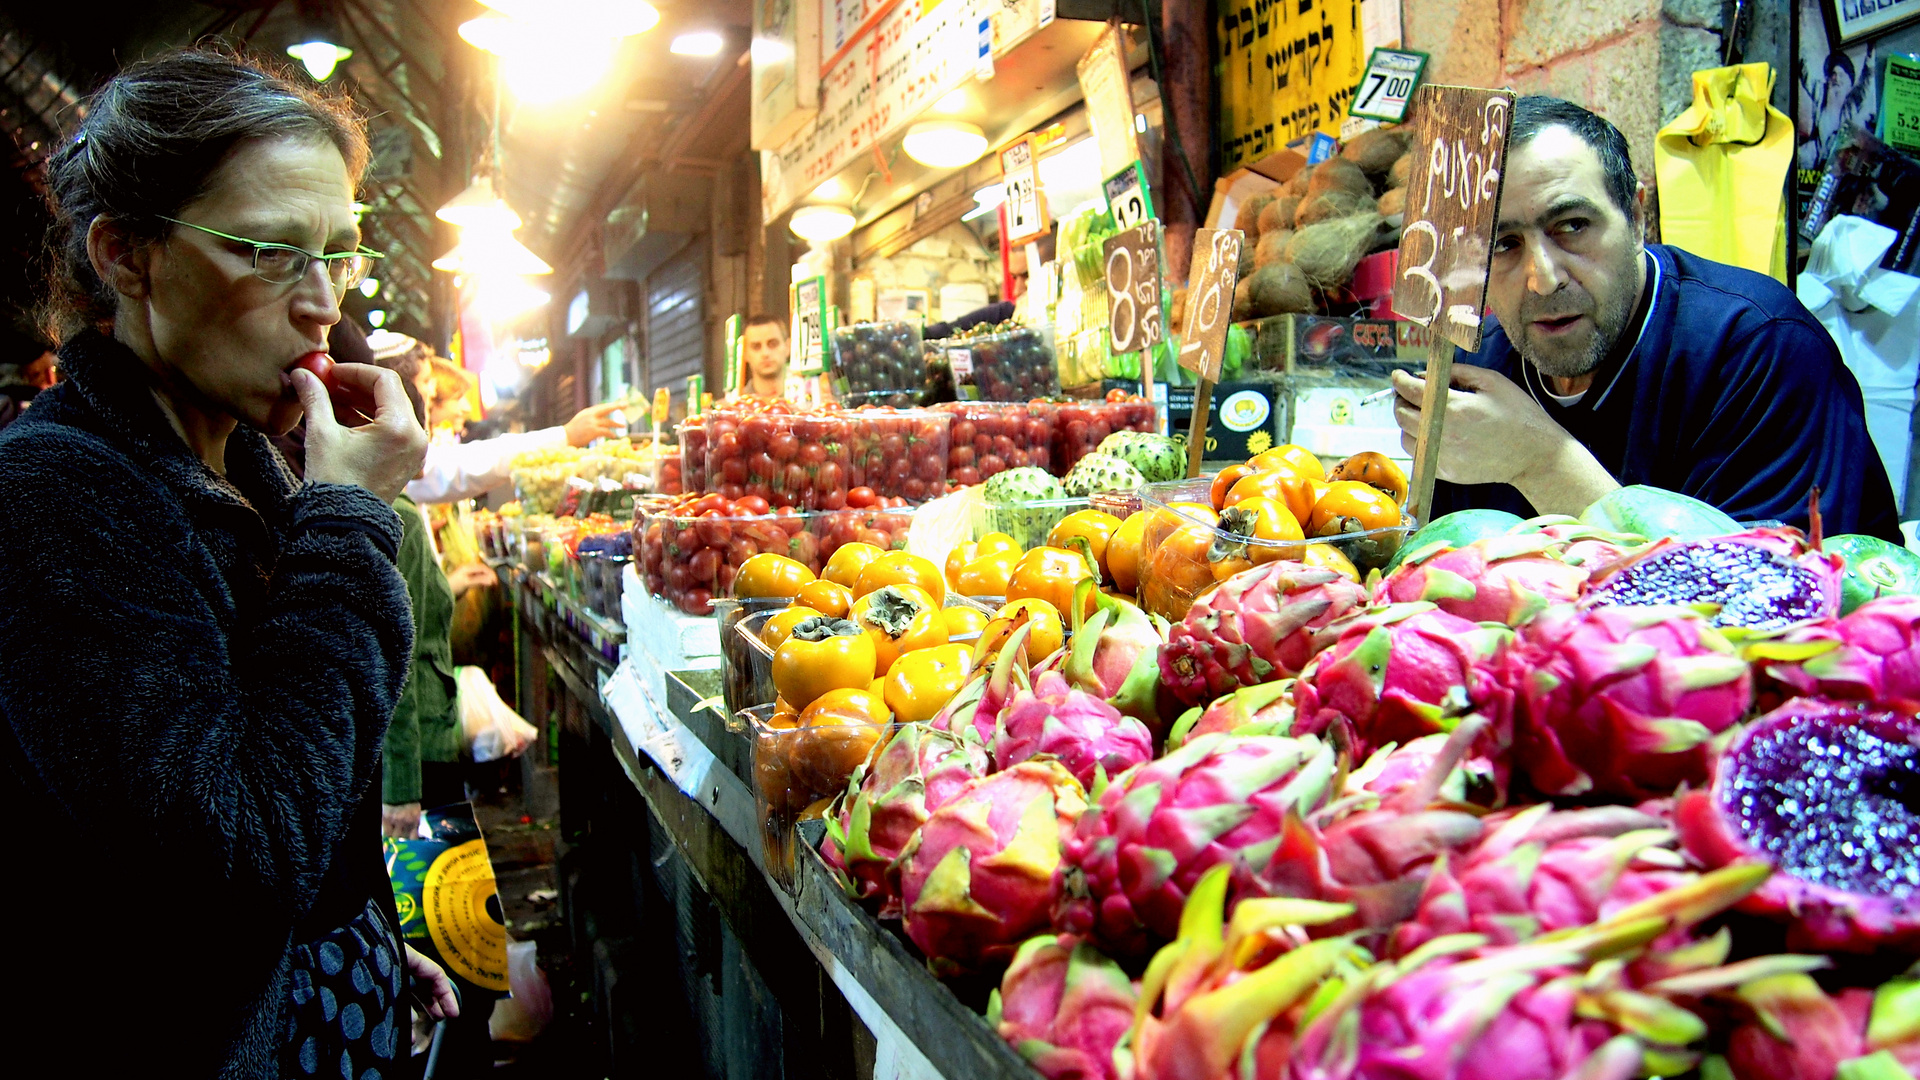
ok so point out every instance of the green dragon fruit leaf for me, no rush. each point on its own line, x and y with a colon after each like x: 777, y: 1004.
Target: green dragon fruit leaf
x: 948, y: 887
x: 1896, y: 1012
x: 1880, y: 1065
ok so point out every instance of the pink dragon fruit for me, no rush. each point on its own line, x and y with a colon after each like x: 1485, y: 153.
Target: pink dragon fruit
x: 1264, y: 709
x: 1505, y: 579
x: 1407, y: 670
x: 1256, y: 626
x: 1872, y: 654
x: 1115, y: 656
x: 1583, y: 545
x: 1761, y: 581
x: 1623, y: 700
x: 888, y: 799
x: 976, y: 880
x: 1086, y: 734
x: 1824, y: 792
x: 1798, y: 1032
x: 1536, y: 871
x: 1129, y: 865
x: 1065, y: 1008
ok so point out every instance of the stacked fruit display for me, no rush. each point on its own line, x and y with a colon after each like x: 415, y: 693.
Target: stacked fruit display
x: 1545, y: 799
x: 779, y: 453
x: 990, y: 436
x: 880, y: 363
x: 1080, y: 427
x: 540, y: 476
x: 1004, y: 362
x: 899, y: 452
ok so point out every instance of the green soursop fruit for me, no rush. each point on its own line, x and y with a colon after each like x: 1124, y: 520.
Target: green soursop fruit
x: 1156, y: 456
x: 1024, y: 503
x: 1101, y: 472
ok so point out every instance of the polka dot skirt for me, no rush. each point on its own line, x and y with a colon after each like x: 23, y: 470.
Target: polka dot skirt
x: 344, y: 1016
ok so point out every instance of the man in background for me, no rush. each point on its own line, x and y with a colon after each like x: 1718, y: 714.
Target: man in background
x: 763, y: 348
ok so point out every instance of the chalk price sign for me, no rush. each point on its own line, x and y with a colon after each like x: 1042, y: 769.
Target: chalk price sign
x: 1133, y: 288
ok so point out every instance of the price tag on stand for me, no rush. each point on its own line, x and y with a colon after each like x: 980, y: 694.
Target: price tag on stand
x: 1387, y: 87
x: 1026, y: 206
x: 1900, y: 104
x: 1203, y: 340
x: 1133, y: 296
x: 1127, y: 197
x: 1460, y: 150
x: 809, y: 303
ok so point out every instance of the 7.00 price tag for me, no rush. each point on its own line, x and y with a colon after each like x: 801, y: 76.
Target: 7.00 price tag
x: 1383, y: 93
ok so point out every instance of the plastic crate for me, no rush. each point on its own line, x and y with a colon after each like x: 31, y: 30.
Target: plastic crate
x: 1080, y: 426
x: 990, y: 436
x: 898, y: 453
x: 879, y: 363
x: 795, y: 770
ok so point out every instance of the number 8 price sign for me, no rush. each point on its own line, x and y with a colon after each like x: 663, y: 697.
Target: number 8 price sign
x: 1209, y: 310
x: 1133, y: 295
x: 1453, y: 197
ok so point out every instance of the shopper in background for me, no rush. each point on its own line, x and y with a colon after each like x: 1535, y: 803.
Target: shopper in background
x: 466, y: 470
x: 26, y: 368
x: 763, y: 349
x: 202, y: 655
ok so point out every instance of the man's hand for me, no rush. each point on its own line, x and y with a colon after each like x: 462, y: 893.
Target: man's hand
x: 430, y: 986
x: 469, y: 576
x: 1495, y: 433
x: 401, y: 821
x: 592, y: 422
x: 382, y: 456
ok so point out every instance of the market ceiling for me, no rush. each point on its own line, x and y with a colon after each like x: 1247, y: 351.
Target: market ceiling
x: 429, y: 96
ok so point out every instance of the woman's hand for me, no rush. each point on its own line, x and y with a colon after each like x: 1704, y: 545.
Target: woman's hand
x: 382, y: 456
x: 470, y: 576
x: 401, y: 821
x: 430, y: 986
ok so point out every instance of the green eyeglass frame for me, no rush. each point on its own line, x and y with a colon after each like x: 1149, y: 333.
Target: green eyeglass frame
x: 284, y: 264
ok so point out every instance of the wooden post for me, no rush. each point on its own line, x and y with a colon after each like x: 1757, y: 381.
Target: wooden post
x: 1197, y: 425
x: 1433, y: 422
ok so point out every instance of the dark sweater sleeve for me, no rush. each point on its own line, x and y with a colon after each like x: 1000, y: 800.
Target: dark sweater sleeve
x: 228, y: 751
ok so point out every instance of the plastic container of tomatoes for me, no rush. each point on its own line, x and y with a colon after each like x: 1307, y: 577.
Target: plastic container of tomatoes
x: 1183, y: 554
x: 1080, y: 426
x: 898, y: 453
x: 688, y: 556
x: 991, y: 436
x: 885, y: 527
x: 798, y: 459
x: 796, y: 770
x: 879, y: 363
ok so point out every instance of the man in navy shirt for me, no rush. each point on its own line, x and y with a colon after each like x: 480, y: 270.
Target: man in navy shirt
x: 1611, y: 361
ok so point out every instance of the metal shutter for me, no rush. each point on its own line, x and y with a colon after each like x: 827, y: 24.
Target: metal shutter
x: 676, y: 323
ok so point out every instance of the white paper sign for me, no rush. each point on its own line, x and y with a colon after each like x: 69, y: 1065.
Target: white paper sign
x: 1026, y: 211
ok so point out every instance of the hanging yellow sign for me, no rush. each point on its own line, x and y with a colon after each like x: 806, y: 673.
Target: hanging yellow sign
x: 1284, y: 71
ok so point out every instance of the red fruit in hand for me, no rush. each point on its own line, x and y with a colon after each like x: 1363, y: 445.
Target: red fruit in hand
x: 351, y: 405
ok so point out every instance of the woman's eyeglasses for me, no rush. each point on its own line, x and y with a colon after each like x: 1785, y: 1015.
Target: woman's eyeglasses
x: 284, y: 264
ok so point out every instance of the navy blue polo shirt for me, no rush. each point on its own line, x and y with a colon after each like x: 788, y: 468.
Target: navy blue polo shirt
x: 1732, y: 393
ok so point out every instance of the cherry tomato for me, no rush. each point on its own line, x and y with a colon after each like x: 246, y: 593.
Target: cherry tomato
x: 1095, y: 527
x: 750, y: 505
x: 826, y: 597
x: 352, y: 406
x: 862, y: 496
x: 779, y: 626
x: 895, y: 567
x: 767, y: 574
x: 847, y: 562
x: 819, y: 655
x: 714, y: 529
x: 1046, y: 632
x: 920, y: 683
x: 1298, y: 458
x: 1377, y: 469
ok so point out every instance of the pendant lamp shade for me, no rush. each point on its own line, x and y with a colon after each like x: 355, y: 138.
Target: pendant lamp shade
x: 479, y: 207
x: 491, y: 253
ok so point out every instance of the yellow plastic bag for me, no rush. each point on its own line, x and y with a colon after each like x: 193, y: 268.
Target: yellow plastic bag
x: 1722, y: 166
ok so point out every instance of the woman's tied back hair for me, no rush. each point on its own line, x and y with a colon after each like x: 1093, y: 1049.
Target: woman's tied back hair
x: 150, y: 142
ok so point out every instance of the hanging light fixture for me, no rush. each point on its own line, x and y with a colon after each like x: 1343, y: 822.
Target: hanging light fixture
x: 479, y: 207
x: 376, y: 318
x: 370, y: 287
x: 319, y: 57
x: 489, y: 252
x: 821, y: 223
x: 944, y: 144
x: 555, y: 49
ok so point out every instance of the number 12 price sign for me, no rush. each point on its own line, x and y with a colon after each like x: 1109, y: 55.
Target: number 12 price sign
x: 1127, y: 197
x: 1383, y: 93
x: 1026, y: 207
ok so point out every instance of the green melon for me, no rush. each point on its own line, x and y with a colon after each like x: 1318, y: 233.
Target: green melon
x: 1458, y: 529
x: 1656, y: 513
x: 1874, y: 568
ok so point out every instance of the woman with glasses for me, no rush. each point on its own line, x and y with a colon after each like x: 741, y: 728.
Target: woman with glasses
x: 204, y: 654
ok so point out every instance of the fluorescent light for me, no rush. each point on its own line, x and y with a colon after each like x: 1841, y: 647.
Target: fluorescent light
x: 613, y: 18
x: 821, y: 223
x: 369, y: 287
x: 986, y: 201
x: 319, y: 57
x: 698, y: 43
x: 554, y: 49
x: 944, y: 144
x: 376, y: 318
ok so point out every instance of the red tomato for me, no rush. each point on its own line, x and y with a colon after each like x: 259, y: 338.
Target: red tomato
x: 351, y: 405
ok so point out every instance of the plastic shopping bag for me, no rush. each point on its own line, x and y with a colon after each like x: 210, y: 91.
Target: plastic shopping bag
x: 492, y: 729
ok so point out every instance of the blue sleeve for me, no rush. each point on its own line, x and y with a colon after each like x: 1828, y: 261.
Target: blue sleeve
x: 1788, y: 419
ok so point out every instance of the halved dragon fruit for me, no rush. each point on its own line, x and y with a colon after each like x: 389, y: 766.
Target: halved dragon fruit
x: 1761, y: 580
x: 1828, y: 793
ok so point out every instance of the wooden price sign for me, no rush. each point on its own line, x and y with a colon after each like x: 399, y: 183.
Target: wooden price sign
x: 1203, y: 340
x: 1459, y: 155
x: 1133, y: 296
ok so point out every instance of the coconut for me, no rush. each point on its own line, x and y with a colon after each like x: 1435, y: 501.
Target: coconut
x: 1277, y: 214
x: 1402, y: 168
x: 1278, y: 288
x: 1327, y: 253
x: 1332, y: 204
x: 1337, y: 174
x: 1272, y: 247
x: 1243, y: 300
x: 1247, y: 264
x: 1393, y: 202
x: 1298, y: 184
x: 1249, y: 213
x: 1375, y: 151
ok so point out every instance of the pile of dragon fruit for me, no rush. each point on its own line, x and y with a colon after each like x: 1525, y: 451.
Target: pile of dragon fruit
x: 1557, y: 802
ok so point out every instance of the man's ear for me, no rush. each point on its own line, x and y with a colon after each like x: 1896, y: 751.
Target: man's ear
x: 120, y: 261
x: 1640, y: 210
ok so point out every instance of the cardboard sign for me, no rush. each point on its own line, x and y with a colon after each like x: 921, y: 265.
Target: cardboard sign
x: 1127, y: 198
x: 1203, y: 340
x: 1109, y: 95
x: 1026, y: 207
x: 809, y: 302
x: 1459, y: 155
x: 1133, y: 288
x: 1388, y: 85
